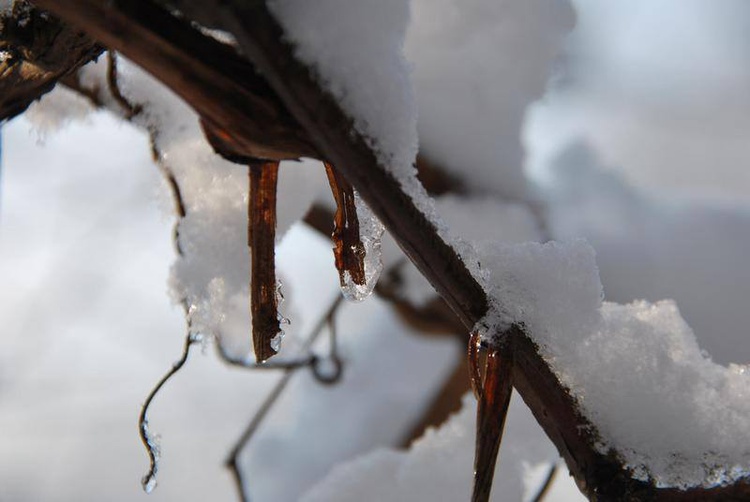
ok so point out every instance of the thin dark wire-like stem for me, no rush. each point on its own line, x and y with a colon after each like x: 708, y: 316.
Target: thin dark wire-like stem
x: 131, y: 110
x: 232, y: 462
x: 544, y: 489
x: 149, y: 480
x: 269, y: 365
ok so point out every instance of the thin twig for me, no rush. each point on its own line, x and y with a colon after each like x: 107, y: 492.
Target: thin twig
x: 333, y: 356
x: 152, y: 448
x: 232, y: 461
x: 544, y: 489
x: 131, y: 109
x: 349, y: 252
x: 268, y: 365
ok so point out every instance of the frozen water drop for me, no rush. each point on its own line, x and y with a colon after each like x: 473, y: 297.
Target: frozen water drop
x: 149, y: 483
x: 370, y: 230
x: 276, y: 341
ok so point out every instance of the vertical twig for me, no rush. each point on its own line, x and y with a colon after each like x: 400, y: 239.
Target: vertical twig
x: 130, y: 109
x: 262, y: 241
x: 348, y: 250
x: 494, y: 398
x: 544, y: 489
x: 147, y: 438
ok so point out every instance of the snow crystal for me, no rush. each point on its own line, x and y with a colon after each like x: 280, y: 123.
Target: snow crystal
x: 478, y: 64
x: 637, y: 372
x: 673, y: 414
x: 357, y: 50
x: 531, y: 283
x: 438, y: 466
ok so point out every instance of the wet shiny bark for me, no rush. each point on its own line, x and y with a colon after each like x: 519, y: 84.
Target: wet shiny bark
x: 493, y: 390
x: 348, y: 250
x: 262, y: 242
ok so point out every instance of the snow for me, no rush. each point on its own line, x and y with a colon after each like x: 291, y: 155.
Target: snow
x: 505, y: 222
x: 654, y: 397
x: 654, y: 248
x: 674, y: 415
x: 659, y: 89
x: 56, y: 110
x: 438, y: 466
x: 552, y: 289
x: 477, y: 65
x: 357, y: 50
x: 387, y: 364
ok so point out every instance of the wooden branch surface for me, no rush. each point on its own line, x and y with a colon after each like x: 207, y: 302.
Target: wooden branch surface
x: 35, y: 51
x: 179, y: 63
x: 261, y: 233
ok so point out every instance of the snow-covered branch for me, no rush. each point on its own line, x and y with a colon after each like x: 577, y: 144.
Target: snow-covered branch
x: 289, y: 112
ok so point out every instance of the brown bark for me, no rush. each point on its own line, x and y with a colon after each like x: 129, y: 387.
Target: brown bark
x: 493, y: 391
x: 263, y: 178
x: 348, y: 250
x: 36, y: 50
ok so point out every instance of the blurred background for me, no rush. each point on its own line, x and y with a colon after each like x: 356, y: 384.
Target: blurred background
x: 640, y: 145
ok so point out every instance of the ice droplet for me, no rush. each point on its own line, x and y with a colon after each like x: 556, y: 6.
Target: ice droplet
x: 276, y: 341
x: 149, y: 483
x: 370, y: 232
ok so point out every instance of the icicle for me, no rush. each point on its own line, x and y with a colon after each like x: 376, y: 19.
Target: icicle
x: 261, y: 238
x: 370, y: 232
x: 356, y: 238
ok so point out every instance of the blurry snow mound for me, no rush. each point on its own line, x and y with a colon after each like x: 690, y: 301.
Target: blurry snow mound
x: 438, y: 466
x: 694, y: 252
x: 477, y: 65
x: 357, y: 50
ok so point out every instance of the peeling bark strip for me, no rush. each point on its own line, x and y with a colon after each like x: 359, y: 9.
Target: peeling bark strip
x: 262, y: 242
x: 348, y: 250
x: 494, y: 392
x: 36, y: 50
